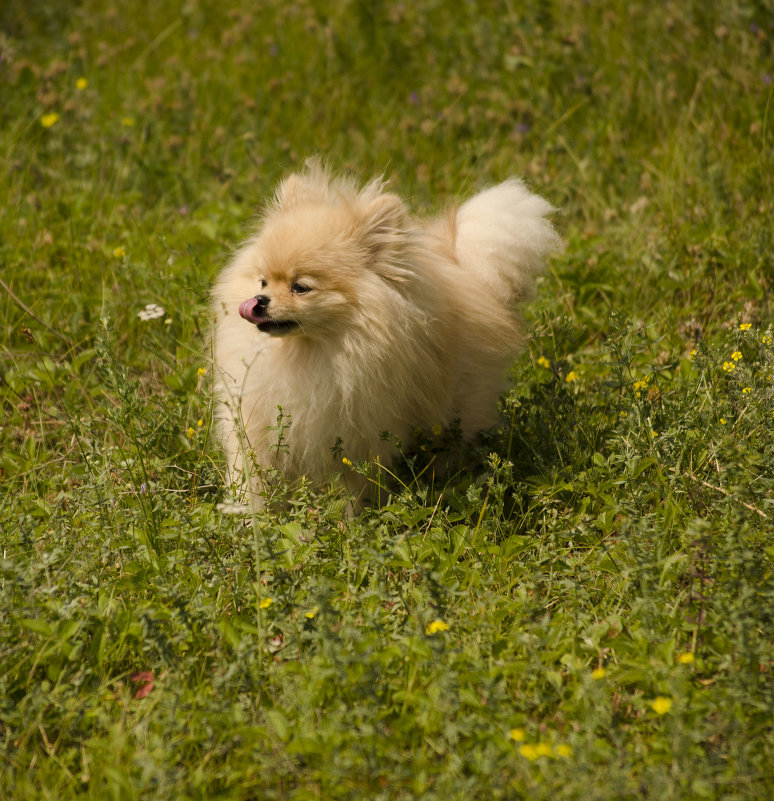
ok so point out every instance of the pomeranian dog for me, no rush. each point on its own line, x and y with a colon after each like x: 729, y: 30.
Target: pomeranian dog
x: 344, y: 317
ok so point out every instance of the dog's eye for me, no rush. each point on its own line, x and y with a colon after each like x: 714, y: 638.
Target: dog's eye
x: 299, y: 289
x: 263, y: 283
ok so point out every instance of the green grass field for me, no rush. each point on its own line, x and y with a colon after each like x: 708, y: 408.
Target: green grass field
x: 589, y: 614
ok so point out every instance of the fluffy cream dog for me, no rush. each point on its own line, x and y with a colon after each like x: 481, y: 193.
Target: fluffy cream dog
x: 356, y: 318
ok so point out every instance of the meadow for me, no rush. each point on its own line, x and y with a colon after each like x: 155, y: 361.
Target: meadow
x: 582, y: 605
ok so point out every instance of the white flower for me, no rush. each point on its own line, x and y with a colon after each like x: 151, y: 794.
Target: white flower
x: 151, y: 312
x: 231, y: 507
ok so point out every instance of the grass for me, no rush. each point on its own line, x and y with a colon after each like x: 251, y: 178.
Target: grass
x: 590, y: 613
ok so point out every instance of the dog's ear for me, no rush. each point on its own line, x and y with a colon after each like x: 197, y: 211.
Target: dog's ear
x: 311, y: 185
x: 383, y: 223
x: 383, y: 229
x: 295, y: 190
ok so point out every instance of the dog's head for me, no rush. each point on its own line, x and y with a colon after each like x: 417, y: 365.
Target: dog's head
x: 323, y: 251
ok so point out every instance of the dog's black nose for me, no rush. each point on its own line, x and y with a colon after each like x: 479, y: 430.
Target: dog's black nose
x: 263, y: 302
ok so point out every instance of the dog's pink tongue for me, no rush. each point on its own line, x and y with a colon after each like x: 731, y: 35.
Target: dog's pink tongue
x: 246, y: 309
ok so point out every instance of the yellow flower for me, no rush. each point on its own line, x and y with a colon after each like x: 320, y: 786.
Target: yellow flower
x: 661, y: 705
x: 563, y: 750
x: 119, y: 252
x: 543, y: 362
x: 571, y: 376
x: 544, y: 749
x: 692, y: 354
x: 745, y: 326
x: 47, y: 120
x: 347, y: 462
x: 766, y: 339
x: 517, y: 735
x: 200, y: 423
x: 598, y: 673
x: 127, y: 122
x: 529, y: 751
x: 729, y: 366
x: 437, y: 429
x: 642, y: 383
x: 81, y: 84
x: 435, y: 626
x: 722, y: 421
x: 736, y: 355
x: 685, y: 658
x: 201, y: 371
x: 312, y: 612
x: 747, y: 390
x: 265, y: 603
x: 190, y: 432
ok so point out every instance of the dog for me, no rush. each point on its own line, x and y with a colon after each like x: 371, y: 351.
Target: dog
x: 344, y: 323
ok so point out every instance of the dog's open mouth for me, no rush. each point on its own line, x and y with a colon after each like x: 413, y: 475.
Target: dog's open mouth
x: 248, y: 310
x: 276, y: 327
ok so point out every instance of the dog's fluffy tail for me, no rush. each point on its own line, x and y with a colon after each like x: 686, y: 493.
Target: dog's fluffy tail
x: 502, y: 235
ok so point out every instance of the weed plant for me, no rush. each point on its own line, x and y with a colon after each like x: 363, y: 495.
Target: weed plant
x: 580, y: 606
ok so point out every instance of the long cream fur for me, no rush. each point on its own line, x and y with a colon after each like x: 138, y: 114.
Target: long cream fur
x: 376, y: 321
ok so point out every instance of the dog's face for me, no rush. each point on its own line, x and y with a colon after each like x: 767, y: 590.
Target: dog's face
x: 303, y: 269
x: 312, y: 266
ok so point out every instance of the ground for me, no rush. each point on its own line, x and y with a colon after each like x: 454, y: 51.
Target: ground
x: 580, y: 607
